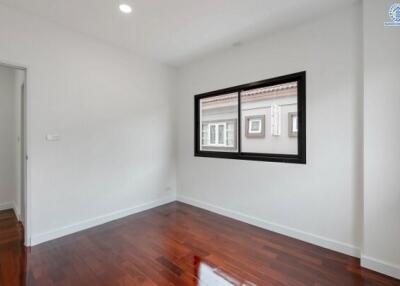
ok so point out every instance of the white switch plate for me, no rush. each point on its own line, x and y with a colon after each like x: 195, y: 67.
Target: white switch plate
x: 53, y: 137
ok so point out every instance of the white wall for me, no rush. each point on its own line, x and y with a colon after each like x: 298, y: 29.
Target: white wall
x: 320, y: 202
x: 381, y: 249
x: 8, y: 139
x: 114, y: 113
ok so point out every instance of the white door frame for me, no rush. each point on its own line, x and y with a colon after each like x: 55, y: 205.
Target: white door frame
x: 25, y: 140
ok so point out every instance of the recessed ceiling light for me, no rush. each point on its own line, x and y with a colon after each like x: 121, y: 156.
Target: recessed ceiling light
x: 125, y: 8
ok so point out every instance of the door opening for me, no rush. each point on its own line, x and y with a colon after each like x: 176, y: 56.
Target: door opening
x: 13, y: 143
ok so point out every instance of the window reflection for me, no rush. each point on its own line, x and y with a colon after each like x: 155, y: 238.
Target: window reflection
x: 214, y: 276
x: 218, y: 121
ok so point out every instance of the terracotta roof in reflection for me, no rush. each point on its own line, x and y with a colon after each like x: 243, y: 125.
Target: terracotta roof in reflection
x: 256, y: 94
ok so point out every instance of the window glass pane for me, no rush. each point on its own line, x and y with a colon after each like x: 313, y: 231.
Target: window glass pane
x: 269, y: 120
x: 219, y: 123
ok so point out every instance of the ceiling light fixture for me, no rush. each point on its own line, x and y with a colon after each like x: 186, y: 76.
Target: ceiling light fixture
x: 125, y: 6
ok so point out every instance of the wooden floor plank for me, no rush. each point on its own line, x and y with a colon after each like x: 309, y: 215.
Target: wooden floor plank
x: 175, y: 244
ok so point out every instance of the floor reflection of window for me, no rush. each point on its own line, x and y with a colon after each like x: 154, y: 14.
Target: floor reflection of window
x: 216, y: 276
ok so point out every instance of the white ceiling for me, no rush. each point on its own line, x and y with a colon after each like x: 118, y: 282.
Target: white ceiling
x: 176, y: 31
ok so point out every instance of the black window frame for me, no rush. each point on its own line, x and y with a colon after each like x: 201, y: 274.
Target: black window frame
x: 300, y: 158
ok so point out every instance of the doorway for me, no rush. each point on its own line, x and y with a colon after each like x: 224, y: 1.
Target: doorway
x: 13, y: 142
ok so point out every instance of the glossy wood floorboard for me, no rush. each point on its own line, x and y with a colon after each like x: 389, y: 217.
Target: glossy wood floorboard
x: 175, y: 244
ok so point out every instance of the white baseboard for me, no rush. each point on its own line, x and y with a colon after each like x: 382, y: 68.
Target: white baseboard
x: 6, y: 206
x: 288, y: 231
x: 381, y: 266
x: 66, y: 230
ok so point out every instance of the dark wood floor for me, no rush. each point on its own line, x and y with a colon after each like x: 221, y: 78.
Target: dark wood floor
x: 175, y: 244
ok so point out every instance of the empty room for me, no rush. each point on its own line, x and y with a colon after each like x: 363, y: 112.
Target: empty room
x: 186, y: 142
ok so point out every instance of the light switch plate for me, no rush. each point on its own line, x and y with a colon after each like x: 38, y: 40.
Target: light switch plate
x: 53, y: 137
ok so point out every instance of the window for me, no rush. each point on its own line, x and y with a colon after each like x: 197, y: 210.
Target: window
x: 265, y: 120
x: 219, y: 134
x: 255, y: 126
x: 215, y: 134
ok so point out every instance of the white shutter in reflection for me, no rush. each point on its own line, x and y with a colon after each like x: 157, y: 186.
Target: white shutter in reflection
x: 230, y: 134
x: 275, y: 120
x: 204, y: 135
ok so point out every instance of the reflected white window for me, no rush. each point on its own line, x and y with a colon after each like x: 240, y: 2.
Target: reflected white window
x: 255, y: 126
x: 217, y: 134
